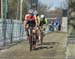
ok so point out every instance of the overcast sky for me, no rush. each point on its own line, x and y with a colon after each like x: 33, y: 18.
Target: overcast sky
x: 56, y: 3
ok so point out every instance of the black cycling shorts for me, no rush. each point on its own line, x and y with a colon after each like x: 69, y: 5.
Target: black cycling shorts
x: 42, y: 23
x: 31, y: 23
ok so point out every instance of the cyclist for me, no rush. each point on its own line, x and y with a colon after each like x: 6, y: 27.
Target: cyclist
x: 37, y: 16
x: 30, y: 20
x: 42, y: 22
x: 42, y: 25
x: 38, y: 22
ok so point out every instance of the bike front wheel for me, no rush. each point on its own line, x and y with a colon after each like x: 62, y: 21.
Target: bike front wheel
x: 31, y: 43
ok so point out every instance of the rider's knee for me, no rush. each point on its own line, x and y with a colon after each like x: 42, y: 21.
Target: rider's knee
x: 27, y: 26
x: 34, y: 31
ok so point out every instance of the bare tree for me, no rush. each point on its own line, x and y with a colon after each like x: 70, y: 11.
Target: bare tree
x: 14, y: 8
x: 42, y: 9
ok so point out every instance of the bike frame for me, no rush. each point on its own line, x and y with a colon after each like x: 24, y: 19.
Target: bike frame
x: 31, y: 37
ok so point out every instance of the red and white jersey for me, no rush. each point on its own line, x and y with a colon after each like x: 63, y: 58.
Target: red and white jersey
x: 30, y: 18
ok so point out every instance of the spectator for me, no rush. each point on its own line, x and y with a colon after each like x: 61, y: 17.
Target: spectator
x: 56, y: 24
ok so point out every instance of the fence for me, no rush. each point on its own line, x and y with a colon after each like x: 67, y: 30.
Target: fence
x: 11, y: 31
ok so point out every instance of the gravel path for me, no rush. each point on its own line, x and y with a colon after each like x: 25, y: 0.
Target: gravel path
x: 52, y: 48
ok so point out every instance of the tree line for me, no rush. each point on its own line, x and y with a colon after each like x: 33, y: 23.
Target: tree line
x: 14, y: 8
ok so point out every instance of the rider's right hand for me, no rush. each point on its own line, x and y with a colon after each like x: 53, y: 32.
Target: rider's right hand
x: 26, y: 27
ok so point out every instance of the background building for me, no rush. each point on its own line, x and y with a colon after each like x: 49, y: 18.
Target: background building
x: 62, y: 14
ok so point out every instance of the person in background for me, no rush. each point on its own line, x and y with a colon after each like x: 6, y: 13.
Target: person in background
x: 56, y: 24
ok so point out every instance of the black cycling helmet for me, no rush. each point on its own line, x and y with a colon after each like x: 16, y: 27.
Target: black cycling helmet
x: 35, y: 13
